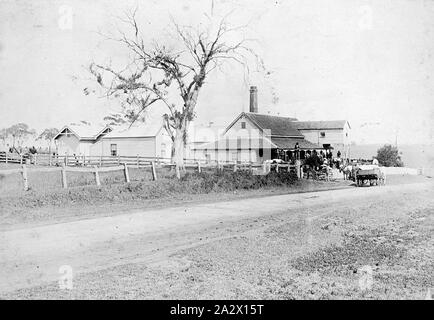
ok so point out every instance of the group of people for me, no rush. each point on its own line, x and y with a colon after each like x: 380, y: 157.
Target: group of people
x: 25, y: 150
x: 316, y: 160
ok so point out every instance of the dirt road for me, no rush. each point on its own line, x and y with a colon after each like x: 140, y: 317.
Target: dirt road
x: 32, y: 257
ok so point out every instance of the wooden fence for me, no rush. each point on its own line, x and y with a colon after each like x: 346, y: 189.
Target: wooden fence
x: 197, y: 165
x: 100, y: 161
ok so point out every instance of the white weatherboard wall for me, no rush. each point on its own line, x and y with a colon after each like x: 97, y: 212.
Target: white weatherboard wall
x: 231, y: 155
x: 236, y: 129
x: 338, y: 138
x: 72, y: 145
x: 154, y: 146
x: 144, y: 147
x: 228, y: 155
x: 163, y: 145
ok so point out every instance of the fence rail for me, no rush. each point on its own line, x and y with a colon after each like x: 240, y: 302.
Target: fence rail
x: 102, y: 161
x: 122, y: 164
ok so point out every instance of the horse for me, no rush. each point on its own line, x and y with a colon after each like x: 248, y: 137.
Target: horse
x: 347, y: 171
x: 382, y: 177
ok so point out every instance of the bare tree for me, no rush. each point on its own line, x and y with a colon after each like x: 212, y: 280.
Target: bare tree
x: 4, y: 136
x: 48, y: 135
x: 19, y: 133
x: 156, y: 71
x: 115, y: 119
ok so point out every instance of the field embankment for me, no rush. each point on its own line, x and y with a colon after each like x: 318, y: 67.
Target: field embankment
x: 41, y: 205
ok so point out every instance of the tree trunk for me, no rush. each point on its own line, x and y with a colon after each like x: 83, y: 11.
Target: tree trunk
x: 178, y: 150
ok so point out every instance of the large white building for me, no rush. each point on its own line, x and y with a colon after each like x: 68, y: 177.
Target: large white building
x: 256, y: 137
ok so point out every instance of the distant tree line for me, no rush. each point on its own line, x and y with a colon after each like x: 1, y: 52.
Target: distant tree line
x: 14, y: 137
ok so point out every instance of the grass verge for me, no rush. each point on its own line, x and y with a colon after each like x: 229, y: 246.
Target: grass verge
x: 40, y: 206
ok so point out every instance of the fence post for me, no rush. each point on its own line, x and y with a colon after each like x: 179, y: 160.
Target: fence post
x: 35, y: 160
x: 277, y: 167
x: 21, y: 159
x: 100, y: 161
x: 66, y: 159
x: 126, y: 174
x: 84, y: 160
x: 235, y: 167
x: 49, y: 159
x: 198, y: 167
x: 264, y: 167
x: 119, y: 161
x: 25, y: 179
x: 98, y: 182
x: 298, y: 167
x: 138, y: 161
x: 64, y: 183
x: 154, y: 172
x: 6, y: 154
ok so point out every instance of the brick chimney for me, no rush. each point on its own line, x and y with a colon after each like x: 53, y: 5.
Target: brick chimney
x: 253, y: 99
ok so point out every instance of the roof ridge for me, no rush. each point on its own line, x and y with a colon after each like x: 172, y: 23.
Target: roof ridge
x: 269, y: 115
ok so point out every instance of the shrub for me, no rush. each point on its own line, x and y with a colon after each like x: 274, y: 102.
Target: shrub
x: 388, y: 156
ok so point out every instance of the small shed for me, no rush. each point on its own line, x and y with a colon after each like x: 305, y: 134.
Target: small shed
x: 78, y: 139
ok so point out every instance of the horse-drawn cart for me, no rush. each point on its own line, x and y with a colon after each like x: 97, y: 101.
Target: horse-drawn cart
x: 365, y: 174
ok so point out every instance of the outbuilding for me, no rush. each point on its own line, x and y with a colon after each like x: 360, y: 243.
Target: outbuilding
x: 79, y: 139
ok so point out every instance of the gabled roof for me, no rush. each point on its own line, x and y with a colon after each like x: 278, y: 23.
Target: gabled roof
x: 238, y: 143
x: 84, y: 132
x: 243, y: 143
x: 289, y: 144
x: 317, y: 125
x: 279, y: 126
x: 138, y: 130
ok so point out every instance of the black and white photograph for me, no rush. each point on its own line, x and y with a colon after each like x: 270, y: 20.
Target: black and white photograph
x: 218, y: 150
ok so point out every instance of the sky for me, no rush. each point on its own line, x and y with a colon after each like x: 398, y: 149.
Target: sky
x: 369, y: 62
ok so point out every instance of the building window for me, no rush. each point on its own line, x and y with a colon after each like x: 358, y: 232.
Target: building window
x: 243, y: 125
x: 346, y: 134
x: 261, y: 152
x: 322, y: 134
x: 114, y: 150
